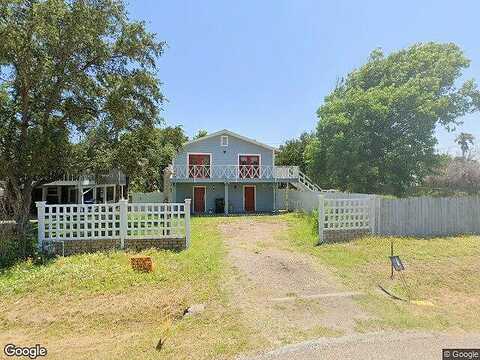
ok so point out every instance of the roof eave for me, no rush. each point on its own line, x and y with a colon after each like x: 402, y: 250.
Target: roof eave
x: 228, y: 132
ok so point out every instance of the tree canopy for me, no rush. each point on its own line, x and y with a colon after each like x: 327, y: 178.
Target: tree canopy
x: 200, y: 133
x: 292, y: 153
x: 142, y: 154
x: 376, y: 129
x: 68, y: 67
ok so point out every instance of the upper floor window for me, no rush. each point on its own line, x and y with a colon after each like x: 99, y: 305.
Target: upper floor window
x: 249, y: 166
x: 224, y: 140
x: 199, y: 165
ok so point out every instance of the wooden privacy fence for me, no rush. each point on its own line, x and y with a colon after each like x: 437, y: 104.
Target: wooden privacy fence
x: 343, y: 216
x: 428, y: 216
x: 120, y: 221
x: 307, y: 201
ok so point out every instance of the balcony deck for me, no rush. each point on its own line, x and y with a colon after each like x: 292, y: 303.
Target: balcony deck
x: 234, y: 173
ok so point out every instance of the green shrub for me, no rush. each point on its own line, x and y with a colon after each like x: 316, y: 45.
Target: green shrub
x: 13, y: 249
x: 8, y: 247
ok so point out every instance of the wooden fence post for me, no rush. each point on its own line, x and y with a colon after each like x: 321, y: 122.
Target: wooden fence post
x: 321, y: 217
x: 41, y: 223
x: 187, y: 222
x: 123, y: 221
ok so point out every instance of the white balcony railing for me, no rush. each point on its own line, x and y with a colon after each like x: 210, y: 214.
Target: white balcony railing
x: 234, y: 172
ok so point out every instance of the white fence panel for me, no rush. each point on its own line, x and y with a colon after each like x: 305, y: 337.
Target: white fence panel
x: 157, y: 221
x: 337, y: 212
x: 308, y: 200
x: 428, y: 216
x: 421, y: 216
x: 80, y: 222
x: 347, y: 214
x: 302, y: 200
x: 113, y: 221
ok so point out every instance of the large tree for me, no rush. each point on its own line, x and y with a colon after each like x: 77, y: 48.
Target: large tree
x: 67, y: 67
x: 376, y: 129
x: 293, y: 151
x: 142, y: 154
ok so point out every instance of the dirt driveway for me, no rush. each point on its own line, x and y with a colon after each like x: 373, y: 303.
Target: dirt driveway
x: 300, y: 310
x: 284, y: 295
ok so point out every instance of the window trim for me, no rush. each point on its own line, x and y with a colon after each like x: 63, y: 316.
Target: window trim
x: 197, y: 153
x: 259, y: 163
x: 221, y: 140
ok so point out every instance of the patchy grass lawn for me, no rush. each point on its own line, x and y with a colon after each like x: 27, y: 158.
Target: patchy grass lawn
x: 440, y: 271
x: 95, y: 306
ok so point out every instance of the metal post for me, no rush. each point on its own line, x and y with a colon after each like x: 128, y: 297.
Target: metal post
x: 41, y: 223
x: 187, y: 222
x: 225, y: 206
x: 123, y: 221
x: 371, y: 215
x: 391, y: 254
x: 321, y: 218
x: 274, y: 184
x: 286, y: 199
x: 378, y: 212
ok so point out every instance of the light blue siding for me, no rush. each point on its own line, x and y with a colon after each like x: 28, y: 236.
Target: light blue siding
x: 225, y: 155
x: 221, y: 156
x: 263, y: 194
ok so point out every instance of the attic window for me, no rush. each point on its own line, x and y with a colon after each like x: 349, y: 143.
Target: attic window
x: 224, y: 140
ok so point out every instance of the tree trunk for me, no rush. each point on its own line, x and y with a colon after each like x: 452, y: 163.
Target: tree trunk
x: 20, y: 203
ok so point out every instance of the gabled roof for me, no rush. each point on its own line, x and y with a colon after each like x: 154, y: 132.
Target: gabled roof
x: 230, y: 133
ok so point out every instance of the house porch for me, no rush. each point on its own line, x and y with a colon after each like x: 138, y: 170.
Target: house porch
x: 227, y: 198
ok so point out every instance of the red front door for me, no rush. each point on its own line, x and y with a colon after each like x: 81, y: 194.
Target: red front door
x: 198, y: 199
x: 249, y: 198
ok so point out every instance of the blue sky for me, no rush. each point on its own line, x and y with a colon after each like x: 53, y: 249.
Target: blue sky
x: 262, y: 68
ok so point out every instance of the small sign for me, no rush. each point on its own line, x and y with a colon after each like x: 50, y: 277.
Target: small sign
x: 397, y: 263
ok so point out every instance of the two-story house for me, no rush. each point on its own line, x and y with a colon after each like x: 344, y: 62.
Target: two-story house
x: 225, y: 172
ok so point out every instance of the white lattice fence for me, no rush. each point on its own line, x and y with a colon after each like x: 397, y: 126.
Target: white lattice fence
x: 345, y: 218
x: 79, y: 222
x: 113, y: 221
x: 346, y: 214
x: 147, y: 221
